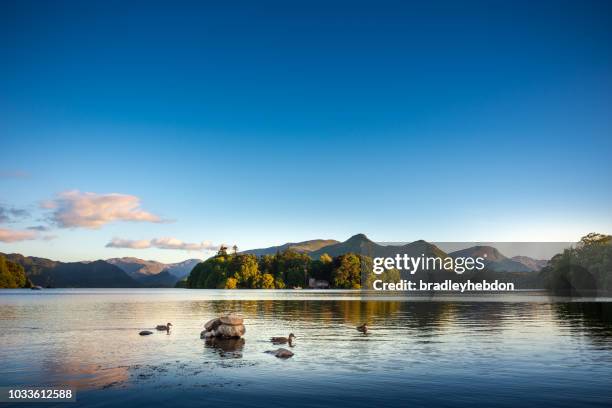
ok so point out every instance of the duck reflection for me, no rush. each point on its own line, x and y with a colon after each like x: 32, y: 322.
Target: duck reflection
x: 226, y: 348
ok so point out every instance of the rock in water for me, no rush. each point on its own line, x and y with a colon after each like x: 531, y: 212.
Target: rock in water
x: 212, y: 324
x: 230, y: 331
x: 280, y: 353
x: 232, y: 319
x: 145, y: 333
x: 228, y: 326
x: 207, y: 334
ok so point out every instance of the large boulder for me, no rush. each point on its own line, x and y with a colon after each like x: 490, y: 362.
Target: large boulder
x: 228, y: 326
x: 212, y: 324
x: 232, y: 319
x: 228, y: 331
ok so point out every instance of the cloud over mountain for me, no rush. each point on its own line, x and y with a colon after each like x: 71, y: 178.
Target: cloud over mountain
x: 75, y: 209
x: 162, y: 243
x: 10, y: 235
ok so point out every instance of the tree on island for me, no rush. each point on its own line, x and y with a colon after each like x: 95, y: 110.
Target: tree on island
x: 287, y: 268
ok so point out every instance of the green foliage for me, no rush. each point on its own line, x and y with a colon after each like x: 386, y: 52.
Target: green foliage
x: 322, y: 269
x: 231, y: 283
x: 245, y: 270
x: 279, y: 283
x: 210, y: 274
x: 12, y: 275
x: 181, y: 284
x: 586, y: 267
x: 267, y: 281
x: 286, y: 269
x: 368, y: 277
x: 326, y: 259
x: 294, y: 277
x: 347, y: 271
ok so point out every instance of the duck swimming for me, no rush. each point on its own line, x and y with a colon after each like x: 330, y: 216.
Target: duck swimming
x: 163, y: 327
x: 363, y: 328
x: 280, y: 353
x: 283, y: 340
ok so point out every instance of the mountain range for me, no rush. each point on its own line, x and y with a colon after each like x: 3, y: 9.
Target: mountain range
x: 111, y: 273
x: 134, y: 272
x: 494, y: 260
x: 142, y: 269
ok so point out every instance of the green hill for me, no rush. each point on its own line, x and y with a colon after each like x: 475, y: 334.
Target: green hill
x: 301, y: 247
x: 47, y: 273
x: 361, y: 244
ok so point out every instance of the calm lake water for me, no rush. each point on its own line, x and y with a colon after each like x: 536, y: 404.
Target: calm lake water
x: 524, y: 349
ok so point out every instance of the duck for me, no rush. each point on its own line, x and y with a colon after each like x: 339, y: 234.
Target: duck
x: 163, y: 327
x: 145, y: 333
x: 363, y: 328
x: 283, y: 340
x: 280, y: 353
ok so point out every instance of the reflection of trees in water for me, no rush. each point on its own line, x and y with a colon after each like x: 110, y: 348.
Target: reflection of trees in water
x: 593, y: 319
x: 424, y: 316
x: 307, y: 310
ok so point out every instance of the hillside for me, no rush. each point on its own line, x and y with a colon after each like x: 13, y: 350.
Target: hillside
x: 135, y: 266
x: 163, y: 279
x: 494, y: 260
x: 47, y: 273
x: 361, y: 244
x: 302, y: 247
x: 534, y: 264
x: 153, y: 273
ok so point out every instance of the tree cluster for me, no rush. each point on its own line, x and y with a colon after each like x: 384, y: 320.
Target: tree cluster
x: 12, y: 275
x: 583, y: 268
x: 286, y: 269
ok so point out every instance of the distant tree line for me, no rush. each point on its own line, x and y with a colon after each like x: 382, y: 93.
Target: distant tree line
x: 286, y: 269
x: 582, y: 269
x: 12, y: 275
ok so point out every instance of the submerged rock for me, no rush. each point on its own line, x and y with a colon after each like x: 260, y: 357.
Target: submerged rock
x: 145, y: 333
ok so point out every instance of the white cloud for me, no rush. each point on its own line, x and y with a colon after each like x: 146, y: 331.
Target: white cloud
x: 8, y: 235
x: 129, y: 243
x: 162, y: 243
x: 74, y: 209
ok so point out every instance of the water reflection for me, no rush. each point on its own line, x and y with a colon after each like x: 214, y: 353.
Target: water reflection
x: 90, y: 340
x: 593, y: 319
x: 226, y: 348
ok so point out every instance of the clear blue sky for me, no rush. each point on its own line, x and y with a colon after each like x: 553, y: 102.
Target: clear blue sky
x: 259, y: 123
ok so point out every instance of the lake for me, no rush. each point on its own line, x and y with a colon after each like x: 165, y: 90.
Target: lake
x: 507, y: 350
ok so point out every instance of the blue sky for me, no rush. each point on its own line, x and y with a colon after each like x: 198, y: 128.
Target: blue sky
x: 259, y: 123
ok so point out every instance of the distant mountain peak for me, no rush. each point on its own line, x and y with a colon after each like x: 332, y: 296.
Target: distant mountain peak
x: 360, y: 236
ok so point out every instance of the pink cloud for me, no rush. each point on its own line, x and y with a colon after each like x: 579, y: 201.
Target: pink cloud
x: 8, y: 235
x: 74, y: 209
x: 162, y: 243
